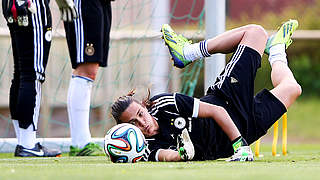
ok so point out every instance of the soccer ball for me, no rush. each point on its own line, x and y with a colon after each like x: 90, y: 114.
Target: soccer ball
x: 124, y: 143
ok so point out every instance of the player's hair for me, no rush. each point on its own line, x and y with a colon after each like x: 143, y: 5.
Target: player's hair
x: 123, y: 102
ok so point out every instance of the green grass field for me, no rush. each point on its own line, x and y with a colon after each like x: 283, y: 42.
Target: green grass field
x: 302, y: 162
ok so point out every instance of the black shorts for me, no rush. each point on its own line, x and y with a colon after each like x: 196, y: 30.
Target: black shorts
x: 253, y: 115
x: 88, y: 36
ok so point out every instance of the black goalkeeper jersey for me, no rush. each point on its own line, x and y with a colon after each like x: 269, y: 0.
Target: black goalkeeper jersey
x: 174, y: 112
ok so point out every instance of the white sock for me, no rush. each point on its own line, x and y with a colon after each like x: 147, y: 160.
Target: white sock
x: 196, y: 51
x: 278, y: 53
x: 16, y: 129
x: 27, y: 137
x: 79, y: 94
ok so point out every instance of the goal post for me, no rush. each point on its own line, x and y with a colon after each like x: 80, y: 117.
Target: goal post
x: 215, y: 25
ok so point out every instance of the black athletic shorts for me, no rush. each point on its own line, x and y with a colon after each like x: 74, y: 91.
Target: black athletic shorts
x: 88, y: 36
x: 253, y: 115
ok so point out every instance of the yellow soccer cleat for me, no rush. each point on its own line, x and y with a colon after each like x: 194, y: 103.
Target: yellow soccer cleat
x: 283, y: 36
x: 175, y: 43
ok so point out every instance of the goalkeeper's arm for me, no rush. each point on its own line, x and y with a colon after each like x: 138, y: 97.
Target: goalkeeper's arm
x: 168, y: 155
x: 222, y: 118
x: 172, y: 155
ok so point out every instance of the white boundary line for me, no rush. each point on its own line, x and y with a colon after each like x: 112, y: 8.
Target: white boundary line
x: 8, y: 145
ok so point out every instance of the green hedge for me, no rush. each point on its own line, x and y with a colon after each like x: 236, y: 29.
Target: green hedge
x: 307, y: 73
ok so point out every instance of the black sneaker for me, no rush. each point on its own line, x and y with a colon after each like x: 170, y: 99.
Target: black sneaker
x: 37, y: 151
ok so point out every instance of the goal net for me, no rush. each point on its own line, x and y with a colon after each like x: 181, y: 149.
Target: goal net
x: 137, y: 59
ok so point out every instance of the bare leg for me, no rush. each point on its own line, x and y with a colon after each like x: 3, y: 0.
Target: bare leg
x: 88, y: 70
x: 184, y: 53
x: 286, y: 88
x: 253, y: 36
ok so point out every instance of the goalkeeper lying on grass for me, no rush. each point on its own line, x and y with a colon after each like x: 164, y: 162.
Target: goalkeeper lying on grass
x: 229, y: 117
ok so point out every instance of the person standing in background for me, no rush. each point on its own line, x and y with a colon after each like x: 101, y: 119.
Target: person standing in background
x: 87, y: 25
x: 30, y: 28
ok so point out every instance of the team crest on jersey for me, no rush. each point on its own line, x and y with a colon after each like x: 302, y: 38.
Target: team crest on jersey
x: 48, y: 35
x: 180, y: 123
x: 89, y: 49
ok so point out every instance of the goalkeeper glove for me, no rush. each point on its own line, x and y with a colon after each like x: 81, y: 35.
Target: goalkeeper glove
x: 68, y: 10
x: 238, y: 142
x: 185, y: 146
x: 242, y: 151
x: 17, y: 11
